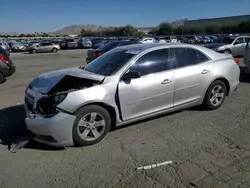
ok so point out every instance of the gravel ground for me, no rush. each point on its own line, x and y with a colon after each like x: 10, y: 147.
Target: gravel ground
x: 208, y: 149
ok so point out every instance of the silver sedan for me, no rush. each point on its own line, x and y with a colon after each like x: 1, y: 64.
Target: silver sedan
x: 79, y: 106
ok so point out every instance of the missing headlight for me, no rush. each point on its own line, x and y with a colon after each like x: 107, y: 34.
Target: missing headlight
x: 48, y: 106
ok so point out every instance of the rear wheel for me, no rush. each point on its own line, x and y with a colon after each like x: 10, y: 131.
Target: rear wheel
x: 92, y: 124
x: 1, y: 78
x: 227, y: 51
x: 215, y: 95
x: 54, y: 50
x: 33, y: 51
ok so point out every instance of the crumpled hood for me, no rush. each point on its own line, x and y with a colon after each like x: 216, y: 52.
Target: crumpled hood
x: 45, y: 82
x: 215, y: 45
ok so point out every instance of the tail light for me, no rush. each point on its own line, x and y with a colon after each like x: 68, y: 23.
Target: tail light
x: 237, y: 61
x: 97, y: 54
x: 3, y: 59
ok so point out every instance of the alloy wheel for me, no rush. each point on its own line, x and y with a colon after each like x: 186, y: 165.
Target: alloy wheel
x: 91, y: 126
x: 217, y: 95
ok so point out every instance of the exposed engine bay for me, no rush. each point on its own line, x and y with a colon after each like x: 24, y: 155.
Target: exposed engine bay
x: 46, y: 105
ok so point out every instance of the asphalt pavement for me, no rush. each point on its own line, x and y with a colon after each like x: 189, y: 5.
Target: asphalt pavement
x: 207, y: 148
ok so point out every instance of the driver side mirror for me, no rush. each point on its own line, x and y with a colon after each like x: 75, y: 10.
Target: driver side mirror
x: 131, y: 74
x: 236, y: 42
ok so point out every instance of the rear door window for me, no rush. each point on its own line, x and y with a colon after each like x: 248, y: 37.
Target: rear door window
x: 188, y: 56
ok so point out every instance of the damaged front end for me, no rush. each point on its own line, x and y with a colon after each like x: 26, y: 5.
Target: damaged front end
x: 46, y: 92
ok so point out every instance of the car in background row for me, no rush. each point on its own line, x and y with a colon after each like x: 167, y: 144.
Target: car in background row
x: 85, y: 43
x: 79, y: 106
x: 101, y: 43
x: 18, y: 47
x: 230, y: 45
x: 7, y: 67
x: 247, y: 56
x: 5, y: 46
x: 43, y: 47
x: 93, y: 54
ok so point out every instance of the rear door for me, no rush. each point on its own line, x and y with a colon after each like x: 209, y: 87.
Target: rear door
x: 239, y: 46
x: 193, y: 74
x: 48, y: 47
x: 247, y: 55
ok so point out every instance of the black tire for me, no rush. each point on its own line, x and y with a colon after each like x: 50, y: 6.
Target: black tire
x: 227, y: 51
x: 33, y: 51
x: 78, y: 140
x: 1, y: 78
x: 54, y: 50
x: 208, y: 105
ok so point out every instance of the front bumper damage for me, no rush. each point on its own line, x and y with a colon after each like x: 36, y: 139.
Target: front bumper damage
x: 55, y: 131
x: 50, y: 124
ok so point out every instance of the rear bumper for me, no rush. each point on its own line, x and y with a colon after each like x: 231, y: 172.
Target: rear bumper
x: 7, y: 71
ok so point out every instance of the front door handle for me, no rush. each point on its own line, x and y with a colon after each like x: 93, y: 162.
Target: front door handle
x: 204, y: 71
x: 166, y: 81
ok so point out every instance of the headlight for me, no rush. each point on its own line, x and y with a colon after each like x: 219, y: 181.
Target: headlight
x: 48, y: 106
x: 59, y: 98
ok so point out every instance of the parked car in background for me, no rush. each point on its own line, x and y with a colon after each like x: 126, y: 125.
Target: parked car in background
x: 18, y: 47
x: 93, y: 54
x: 5, y: 45
x: 69, y: 44
x: 85, y: 43
x: 173, y: 39
x: 78, y: 106
x: 43, y: 47
x: 72, y: 44
x: 230, y: 45
x: 247, y: 56
x: 102, y: 43
x: 147, y: 40
x: 7, y: 67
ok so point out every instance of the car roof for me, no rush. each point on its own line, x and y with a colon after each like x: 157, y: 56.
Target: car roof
x: 139, y: 48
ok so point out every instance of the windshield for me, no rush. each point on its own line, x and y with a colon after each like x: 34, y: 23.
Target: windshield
x: 227, y: 40
x: 107, y: 46
x: 109, y: 63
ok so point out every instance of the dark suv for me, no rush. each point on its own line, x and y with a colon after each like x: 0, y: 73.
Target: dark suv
x: 7, y: 67
x: 93, y: 54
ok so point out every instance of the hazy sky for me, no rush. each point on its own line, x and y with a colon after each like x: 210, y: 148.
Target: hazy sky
x: 50, y: 15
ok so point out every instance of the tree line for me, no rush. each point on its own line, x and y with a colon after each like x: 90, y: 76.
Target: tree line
x: 167, y: 29
x: 127, y: 30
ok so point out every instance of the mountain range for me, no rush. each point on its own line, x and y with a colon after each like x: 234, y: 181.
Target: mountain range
x: 223, y: 21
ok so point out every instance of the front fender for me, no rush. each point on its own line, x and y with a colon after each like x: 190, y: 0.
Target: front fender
x: 104, y: 93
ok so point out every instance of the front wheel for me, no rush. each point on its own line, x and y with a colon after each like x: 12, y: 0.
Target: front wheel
x: 215, y: 95
x: 92, y: 124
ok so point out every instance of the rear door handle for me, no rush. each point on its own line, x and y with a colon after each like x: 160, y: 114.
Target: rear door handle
x: 166, y: 81
x: 204, y: 71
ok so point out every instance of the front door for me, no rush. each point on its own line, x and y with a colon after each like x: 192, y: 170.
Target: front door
x: 193, y: 75
x: 150, y: 93
x: 247, y: 55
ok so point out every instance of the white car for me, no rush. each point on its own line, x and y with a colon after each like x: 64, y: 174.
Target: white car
x: 147, y: 40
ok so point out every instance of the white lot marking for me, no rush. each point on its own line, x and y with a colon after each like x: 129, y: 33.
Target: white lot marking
x: 154, y: 165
